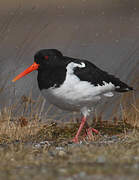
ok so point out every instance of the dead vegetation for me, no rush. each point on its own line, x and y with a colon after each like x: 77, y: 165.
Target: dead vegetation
x: 24, y: 121
x: 32, y: 148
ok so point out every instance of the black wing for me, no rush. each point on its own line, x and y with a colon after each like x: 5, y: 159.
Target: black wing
x: 95, y: 76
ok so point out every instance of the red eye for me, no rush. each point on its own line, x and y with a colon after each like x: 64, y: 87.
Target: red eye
x: 46, y: 57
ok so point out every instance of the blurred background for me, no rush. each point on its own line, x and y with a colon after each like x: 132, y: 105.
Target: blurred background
x: 103, y: 32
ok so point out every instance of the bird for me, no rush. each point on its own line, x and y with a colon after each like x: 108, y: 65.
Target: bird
x: 73, y: 84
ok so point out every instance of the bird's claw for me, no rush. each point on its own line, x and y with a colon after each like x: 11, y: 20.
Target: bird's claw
x: 75, y: 140
x: 89, y: 132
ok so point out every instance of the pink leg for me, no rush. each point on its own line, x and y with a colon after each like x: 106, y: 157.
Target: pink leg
x: 89, y: 132
x: 75, y: 139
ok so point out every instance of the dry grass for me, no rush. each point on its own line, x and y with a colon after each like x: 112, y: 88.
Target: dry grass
x: 31, y: 148
x: 24, y: 119
x: 131, y: 114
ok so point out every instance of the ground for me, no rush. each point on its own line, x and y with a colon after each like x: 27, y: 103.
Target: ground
x: 31, y: 148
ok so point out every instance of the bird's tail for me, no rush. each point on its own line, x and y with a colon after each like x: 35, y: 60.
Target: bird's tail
x: 123, y: 88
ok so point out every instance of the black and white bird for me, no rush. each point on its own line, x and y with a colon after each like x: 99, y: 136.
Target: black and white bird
x: 72, y: 84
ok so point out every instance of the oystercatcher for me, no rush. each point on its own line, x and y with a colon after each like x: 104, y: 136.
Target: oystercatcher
x: 72, y: 84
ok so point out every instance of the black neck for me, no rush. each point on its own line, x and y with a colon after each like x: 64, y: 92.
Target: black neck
x: 51, y: 76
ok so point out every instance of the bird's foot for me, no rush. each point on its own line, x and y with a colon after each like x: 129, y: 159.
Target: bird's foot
x: 75, y: 140
x: 89, y: 132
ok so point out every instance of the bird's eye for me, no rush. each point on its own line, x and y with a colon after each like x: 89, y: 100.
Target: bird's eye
x: 46, y: 57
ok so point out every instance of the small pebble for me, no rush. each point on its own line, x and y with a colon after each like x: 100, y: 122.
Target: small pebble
x: 61, y: 153
x: 60, y: 148
x: 52, y: 153
x: 37, y: 145
x: 69, y: 178
x: 45, y: 143
x: 101, y: 159
x: 82, y: 174
x: 63, y: 171
x: 136, y: 158
x: 41, y: 144
x: 114, y: 138
x: 136, y: 166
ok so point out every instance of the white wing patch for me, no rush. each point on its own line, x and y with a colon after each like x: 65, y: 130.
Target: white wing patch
x: 71, y: 66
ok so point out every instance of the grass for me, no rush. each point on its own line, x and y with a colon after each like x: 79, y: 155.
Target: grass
x: 31, y: 148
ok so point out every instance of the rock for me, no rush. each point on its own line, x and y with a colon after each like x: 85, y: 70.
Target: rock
x: 62, y: 170
x: 101, y: 159
x: 82, y: 174
x: 60, y: 148
x: 114, y: 137
x: 62, y: 153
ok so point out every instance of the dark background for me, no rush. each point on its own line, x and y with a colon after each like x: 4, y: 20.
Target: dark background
x: 104, y: 32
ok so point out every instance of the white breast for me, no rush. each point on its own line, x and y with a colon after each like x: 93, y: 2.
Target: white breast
x: 74, y: 94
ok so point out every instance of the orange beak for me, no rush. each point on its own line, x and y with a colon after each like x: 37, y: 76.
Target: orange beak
x: 33, y: 67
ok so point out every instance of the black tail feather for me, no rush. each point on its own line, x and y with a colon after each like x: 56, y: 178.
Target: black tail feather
x: 123, y: 88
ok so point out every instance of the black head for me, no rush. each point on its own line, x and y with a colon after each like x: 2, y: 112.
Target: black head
x: 43, y: 59
x: 47, y: 56
x: 51, y: 68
